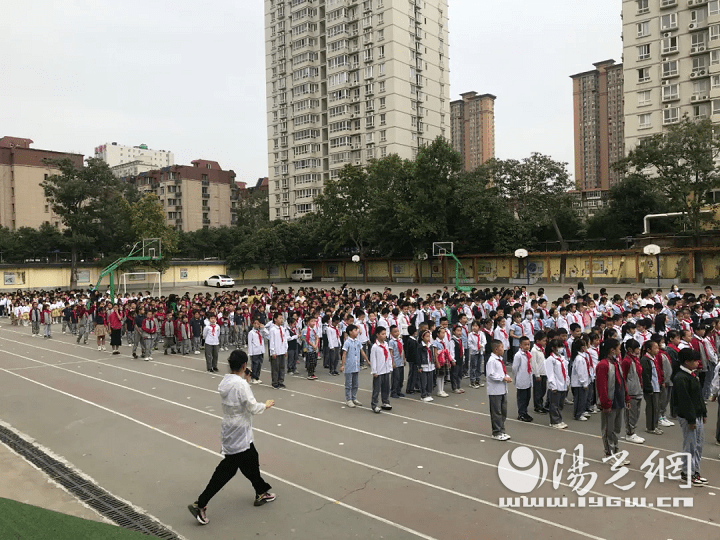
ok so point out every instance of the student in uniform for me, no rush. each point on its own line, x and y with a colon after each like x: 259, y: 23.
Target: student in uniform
x: 497, y: 381
x: 293, y: 344
x: 580, y: 379
x: 457, y: 351
x: 557, y: 381
x: 632, y: 373
x: 278, y: 347
x: 651, y: 384
x: 426, y: 364
x: 351, y: 355
x: 381, y: 365
x: 332, y: 333
x: 523, y: 373
x: 169, y: 334
x: 185, y: 335
x: 35, y: 318
x: 539, y: 373
x: 476, y: 346
x: 398, y: 355
x: 612, y: 396
x: 256, y: 350
x: 211, y: 335
x: 312, y: 342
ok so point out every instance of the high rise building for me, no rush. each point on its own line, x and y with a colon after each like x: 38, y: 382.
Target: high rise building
x: 472, y: 124
x: 599, y: 125
x: 671, y: 52
x: 196, y: 196
x: 22, y: 169
x: 349, y: 81
x: 132, y: 160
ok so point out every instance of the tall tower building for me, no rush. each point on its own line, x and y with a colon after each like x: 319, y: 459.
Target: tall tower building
x: 349, y: 81
x: 472, y: 124
x: 599, y: 125
x: 671, y: 52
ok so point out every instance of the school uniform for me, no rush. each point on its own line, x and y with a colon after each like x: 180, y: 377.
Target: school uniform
x: 211, y: 335
x: 292, y: 352
x: 632, y: 373
x: 539, y: 378
x: 497, y: 393
x: 352, y: 348
x: 398, y: 372
x: 557, y: 381
x: 691, y: 410
x: 594, y: 354
x: 149, y: 329
x: 278, y: 345
x: 35, y: 318
x: 311, y: 342
x: 580, y: 383
x: 411, y: 357
x: 476, y: 350
x: 185, y: 338
x: 426, y: 368
x: 381, y: 364
x: 501, y: 335
x: 169, y: 333
x: 523, y: 375
x: 613, y: 398
x: 651, y: 380
x: 256, y: 352
x: 333, y: 348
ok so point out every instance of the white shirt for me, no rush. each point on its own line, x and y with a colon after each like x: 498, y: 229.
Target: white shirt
x: 523, y: 379
x: 256, y: 344
x: 381, y: 360
x: 554, y: 369
x: 495, y: 376
x: 239, y: 407
x: 211, y: 334
x: 278, y: 340
x: 333, y: 336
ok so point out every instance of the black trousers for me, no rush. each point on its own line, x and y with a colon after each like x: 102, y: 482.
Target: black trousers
x: 539, y: 391
x: 396, y: 382
x: 413, y: 379
x: 523, y: 400
x: 249, y: 464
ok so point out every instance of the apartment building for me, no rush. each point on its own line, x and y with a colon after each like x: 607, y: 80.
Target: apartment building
x: 132, y: 160
x: 671, y: 52
x: 598, y: 115
x: 22, y: 169
x: 349, y: 81
x: 200, y: 195
x: 472, y: 125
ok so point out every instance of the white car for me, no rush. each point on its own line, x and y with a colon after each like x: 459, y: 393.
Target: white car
x: 302, y: 274
x: 219, y: 281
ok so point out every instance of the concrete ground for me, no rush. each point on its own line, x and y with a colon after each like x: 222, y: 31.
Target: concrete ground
x: 149, y: 433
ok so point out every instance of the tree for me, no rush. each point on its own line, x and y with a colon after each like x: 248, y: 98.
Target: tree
x: 253, y: 209
x: 81, y: 197
x: 681, y: 162
x: 244, y: 256
x: 147, y: 218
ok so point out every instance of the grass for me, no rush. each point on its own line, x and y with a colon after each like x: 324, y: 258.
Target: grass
x: 20, y: 521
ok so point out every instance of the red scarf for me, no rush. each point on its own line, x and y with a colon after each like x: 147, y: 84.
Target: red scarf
x: 529, y: 368
x: 562, y: 365
x: 399, y: 345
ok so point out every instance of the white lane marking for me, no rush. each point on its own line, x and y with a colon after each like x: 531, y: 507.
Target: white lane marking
x: 274, y: 477
x: 462, y: 495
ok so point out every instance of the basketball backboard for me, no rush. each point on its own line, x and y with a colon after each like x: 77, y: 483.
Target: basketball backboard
x: 440, y: 249
x: 152, y: 248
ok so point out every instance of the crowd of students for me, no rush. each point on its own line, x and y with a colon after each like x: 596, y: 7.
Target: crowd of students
x: 594, y: 353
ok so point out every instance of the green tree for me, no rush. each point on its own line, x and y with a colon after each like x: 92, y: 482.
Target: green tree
x: 147, y: 218
x: 82, y: 197
x: 253, y: 209
x: 243, y: 256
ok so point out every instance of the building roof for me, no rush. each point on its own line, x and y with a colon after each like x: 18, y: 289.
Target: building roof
x: 15, y: 142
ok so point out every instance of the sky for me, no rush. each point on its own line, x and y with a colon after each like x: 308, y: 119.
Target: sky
x: 189, y: 76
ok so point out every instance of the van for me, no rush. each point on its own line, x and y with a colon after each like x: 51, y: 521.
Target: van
x: 302, y: 274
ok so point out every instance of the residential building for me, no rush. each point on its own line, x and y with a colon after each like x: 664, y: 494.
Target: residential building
x: 133, y: 160
x: 22, y: 169
x: 472, y: 125
x: 194, y: 196
x: 587, y: 203
x: 349, y: 81
x: 671, y: 63
x: 599, y: 128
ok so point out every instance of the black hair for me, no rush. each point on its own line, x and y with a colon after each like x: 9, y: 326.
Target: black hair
x: 607, y: 346
x: 237, y: 360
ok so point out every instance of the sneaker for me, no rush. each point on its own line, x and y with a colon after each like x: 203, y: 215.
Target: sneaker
x: 196, y: 352
x: 443, y: 394
x: 557, y: 426
x: 664, y: 422
x: 581, y: 419
x: 481, y: 385
x: 281, y: 385
x: 696, y: 480
x: 634, y: 438
x: 216, y: 370
x: 658, y: 431
x: 457, y: 391
x: 350, y: 404
x: 617, y: 460
x: 134, y: 355
x: 99, y: 348
x: 377, y: 410
x: 499, y: 437
x: 145, y: 358
x: 564, y: 425
x: 264, y: 498
x: 426, y: 399
x: 198, y: 513
x: 506, y: 437
x: 568, y: 401
x: 401, y: 395
x: 357, y: 403
x: 699, y: 478
x: 386, y: 407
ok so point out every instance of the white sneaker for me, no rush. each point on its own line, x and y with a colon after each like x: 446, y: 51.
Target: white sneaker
x: 499, y: 437
x: 664, y: 422
x: 634, y: 439
x: 563, y: 425
x: 258, y: 381
x: 350, y: 404
x: 99, y: 348
x: 197, y: 352
x: 357, y: 403
x: 443, y: 394
x: 582, y: 419
x: 557, y: 426
x: 616, y: 459
x: 506, y: 437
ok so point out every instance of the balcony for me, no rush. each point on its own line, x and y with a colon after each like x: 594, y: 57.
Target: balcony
x: 206, y: 221
x: 205, y: 195
x: 664, y: 4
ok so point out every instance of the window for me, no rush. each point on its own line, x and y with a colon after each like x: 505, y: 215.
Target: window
x: 47, y: 208
x: 715, y: 57
x: 643, y: 52
x: 670, y: 92
x: 644, y: 121
x: 670, y: 45
x: 643, y: 6
x: 670, y: 69
x: 714, y: 7
x: 382, y: 102
x: 381, y: 69
x: 701, y: 88
x: 701, y: 111
x: 716, y: 106
x: 381, y: 86
x: 381, y: 51
x: 715, y: 32
x: 382, y: 119
x: 668, y: 22
x: 643, y: 29
x: 643, y: 98
x: 715, y: 81
x: 383, y: 136
x: 643, y: 75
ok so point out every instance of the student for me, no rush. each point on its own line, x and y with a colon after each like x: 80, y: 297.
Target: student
x: 278, y: 344
x: 381, y: 366
x: 593, y: 352
x: 516, y: 332
x: 476, y: 345
x: 100, y: 328
x: 497, y: 381
x: 211, y: 335
x: 444, y: 361
x: 351, y: 355
x: 293, y: 344
x: 557, y: 381
x: 580, y: 379
x: 692, y: 412
x: 457, y: 351
x: 332, y: 333
x: 46, y: 320
x: 185, y: 335
x: 411, y: 357
x: 522, y: 371
x: 256, y: 350
x: 197, y: 325
x: 115, y: 325
x: 612, y: 396
x: 651, y: 383
x: 35, y: 318
x: 426, y: 364
x: 312, y: 342
x: 632, y: 373
x: 238, y: 448
x: 539, y: 373
x: 664, y: 361
x: 398, y: 355
x: 169, y: 333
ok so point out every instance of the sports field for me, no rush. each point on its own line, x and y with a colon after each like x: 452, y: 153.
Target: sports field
x: 149, y: 433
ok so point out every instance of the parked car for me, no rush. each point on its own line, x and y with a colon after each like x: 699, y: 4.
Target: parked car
x: 219, y: 281
x: 302, y: 274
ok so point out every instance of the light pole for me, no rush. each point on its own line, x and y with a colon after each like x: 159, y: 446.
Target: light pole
x: 522, y: 254
x: 654, y: 249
